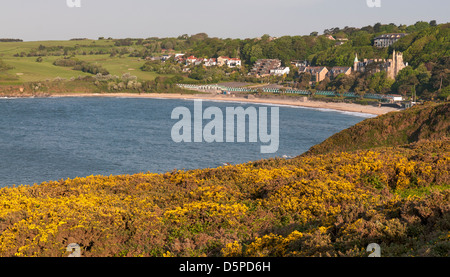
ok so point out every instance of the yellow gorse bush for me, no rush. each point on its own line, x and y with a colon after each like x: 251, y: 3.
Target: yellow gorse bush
x: 332, y: 204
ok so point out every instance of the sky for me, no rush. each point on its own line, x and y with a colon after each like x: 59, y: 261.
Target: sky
x: 33, y: 20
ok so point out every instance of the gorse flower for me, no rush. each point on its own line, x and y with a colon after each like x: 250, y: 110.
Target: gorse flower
x: 323, y: 205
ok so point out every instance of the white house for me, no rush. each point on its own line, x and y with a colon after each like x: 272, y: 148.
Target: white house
x: 210, y: 62
x: 233, y: 62
x: 280, y: 71
x: 191, y: 60
x: 198, y: 61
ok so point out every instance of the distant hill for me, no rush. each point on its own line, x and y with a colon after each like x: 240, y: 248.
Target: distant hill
x: 422, y: 122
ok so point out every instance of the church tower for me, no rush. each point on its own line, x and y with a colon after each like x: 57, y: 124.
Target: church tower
x: 392, y: 66
x: 397, y: 64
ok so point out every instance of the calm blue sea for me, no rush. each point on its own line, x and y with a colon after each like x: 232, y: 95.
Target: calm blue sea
x: 44, y: 139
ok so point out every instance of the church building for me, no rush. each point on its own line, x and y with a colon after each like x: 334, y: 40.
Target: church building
x: 391, y: 66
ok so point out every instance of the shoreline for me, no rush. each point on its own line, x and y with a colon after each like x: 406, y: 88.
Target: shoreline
x: 343, y: 107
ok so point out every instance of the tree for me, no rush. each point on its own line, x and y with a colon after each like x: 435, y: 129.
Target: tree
x: 379, y: 83
x: 323, y: 84
x: 445, y: 93
x: 255, y: 53
x: 341, y: 83
x: 377, y: 27
x: 304, y: 80
x: 440, y: 74
x: 406, y: 81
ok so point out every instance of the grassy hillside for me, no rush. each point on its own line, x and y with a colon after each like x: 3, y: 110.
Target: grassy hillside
x: 319, y: 205
x: 429, y: 121
x: 22, y: 56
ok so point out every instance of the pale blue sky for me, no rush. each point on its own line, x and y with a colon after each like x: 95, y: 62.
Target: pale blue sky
x: 54, y: 20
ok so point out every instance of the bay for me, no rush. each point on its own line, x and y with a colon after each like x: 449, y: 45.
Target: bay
x: 43, y: 139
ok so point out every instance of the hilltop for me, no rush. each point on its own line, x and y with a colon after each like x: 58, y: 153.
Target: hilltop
x: 331, y: 204
x: 422, y: 122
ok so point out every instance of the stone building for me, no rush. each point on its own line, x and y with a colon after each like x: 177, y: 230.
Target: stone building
x: 387, y: 40
x: 336, y: 70
x: 391, y: 66
x: 318, y: 73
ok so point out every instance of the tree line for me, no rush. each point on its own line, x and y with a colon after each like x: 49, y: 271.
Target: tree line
x: 81, y: 66
x: 10, y: 40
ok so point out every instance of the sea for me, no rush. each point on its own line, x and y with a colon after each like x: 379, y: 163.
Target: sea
x: 44, y: 139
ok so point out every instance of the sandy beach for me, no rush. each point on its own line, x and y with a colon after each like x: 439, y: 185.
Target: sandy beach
x: 348, y: 107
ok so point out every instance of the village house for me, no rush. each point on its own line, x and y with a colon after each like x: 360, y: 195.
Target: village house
x: 198, y: 61
x: 221, y: 61
x: 280, y: 71
x: 210, y: 62
x: 178, y: 56
x: 298, y: 63
x: 262, y: 67
x: 230, y: 62
x: 387, y: 40
x: 191, y: 60
x: 336, y: 70
x: 165, y: 57
x: 234, y: 62
x: 318, y: 73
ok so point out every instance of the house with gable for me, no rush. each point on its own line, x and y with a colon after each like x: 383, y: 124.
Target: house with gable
x: 318, y: 73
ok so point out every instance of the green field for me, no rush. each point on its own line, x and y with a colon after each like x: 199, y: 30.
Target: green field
x: 27, y: 69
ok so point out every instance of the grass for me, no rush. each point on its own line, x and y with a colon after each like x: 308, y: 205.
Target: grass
x: 26, y: 69
x: 422, y: 191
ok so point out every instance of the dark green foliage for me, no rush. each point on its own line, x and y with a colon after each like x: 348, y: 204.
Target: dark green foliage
x: 427, y: 45
x: 81, y: 66
x: 429, y: 121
